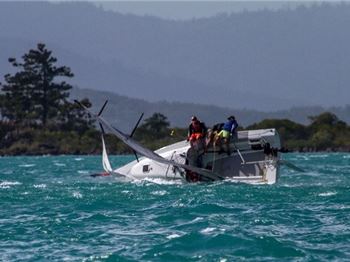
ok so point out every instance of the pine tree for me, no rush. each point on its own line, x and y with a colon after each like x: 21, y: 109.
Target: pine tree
x: 156, y: 126
x: 16, y: 104
x: 33, y: 96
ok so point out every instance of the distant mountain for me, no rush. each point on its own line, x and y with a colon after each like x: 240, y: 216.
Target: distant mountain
x: 123, y: 111
x: 115, y: 77
x: 265, y: 60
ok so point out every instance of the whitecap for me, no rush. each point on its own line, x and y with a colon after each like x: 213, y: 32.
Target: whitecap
x: 198, y: 219
x: 291, y: 185
x: 104, y: 256
x: 77, y: 195
x: 78, y: 159
x: 94, y: 258
x: 83, y: 172
x: 172, y: 236
x: 346, y: 157
x: 327, y: 194
x: 298, y: 157
x: 7, y: 172
x: 59, y: 164
x: 8, y: 184
x: 159, y: 193
x: 40, y: 186
x: 319, y: 156
x: 161, y: 181
x: 207, y: 230
x: 27, y: 165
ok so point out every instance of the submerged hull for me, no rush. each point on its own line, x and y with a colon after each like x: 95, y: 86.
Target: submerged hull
x: 253, y: 159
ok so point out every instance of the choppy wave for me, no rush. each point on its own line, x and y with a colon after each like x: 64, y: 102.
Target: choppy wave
x: 327, y: 194
x: 40, y: 186
x: 8, y: 184
x: 26, y: 165
x: 161, y: 181
x: 57, y: 212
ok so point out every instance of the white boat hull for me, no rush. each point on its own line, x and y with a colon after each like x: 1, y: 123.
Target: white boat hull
x: 248, y: 162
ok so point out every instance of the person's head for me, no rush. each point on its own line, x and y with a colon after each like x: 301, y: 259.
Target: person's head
x: 194, y: 121
x: 231, y: 118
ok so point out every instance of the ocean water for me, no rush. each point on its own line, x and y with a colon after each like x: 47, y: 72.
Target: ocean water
x: 51, y: 209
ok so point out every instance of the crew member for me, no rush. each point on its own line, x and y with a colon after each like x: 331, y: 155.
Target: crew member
x: 212, y: 133
x: 196, y: 130
x: 228, y: 130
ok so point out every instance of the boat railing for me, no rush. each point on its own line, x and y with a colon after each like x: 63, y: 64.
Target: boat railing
x: 267, y: 161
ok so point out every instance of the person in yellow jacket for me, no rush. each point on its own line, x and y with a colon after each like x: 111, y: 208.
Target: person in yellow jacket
x: 228, y: 131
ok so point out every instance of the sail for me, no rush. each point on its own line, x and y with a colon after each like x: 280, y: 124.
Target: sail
x: 105, y: 161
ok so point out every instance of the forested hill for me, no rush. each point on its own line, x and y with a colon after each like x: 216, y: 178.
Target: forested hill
x: 265, y: 60
x: 124, y: 111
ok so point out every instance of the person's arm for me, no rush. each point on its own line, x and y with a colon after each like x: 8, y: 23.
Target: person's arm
x: 234, y: 126
x: 204, y: 128
x: 189, y: 132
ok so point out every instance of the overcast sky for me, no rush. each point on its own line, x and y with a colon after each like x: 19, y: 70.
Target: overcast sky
x: 194, y: 9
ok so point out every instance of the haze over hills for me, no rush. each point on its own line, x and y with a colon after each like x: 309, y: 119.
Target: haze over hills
x: 265, y: 60
x: 186, y: 10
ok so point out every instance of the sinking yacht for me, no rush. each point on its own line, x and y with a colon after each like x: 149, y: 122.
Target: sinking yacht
x: 254, y: 158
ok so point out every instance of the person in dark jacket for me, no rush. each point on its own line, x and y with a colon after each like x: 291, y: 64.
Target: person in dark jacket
x: 196, y: 130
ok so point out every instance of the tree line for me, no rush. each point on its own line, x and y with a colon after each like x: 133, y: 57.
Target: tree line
x: 326, y: 132
x: 37, y: 117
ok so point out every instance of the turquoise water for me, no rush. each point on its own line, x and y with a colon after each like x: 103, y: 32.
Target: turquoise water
x: 52, y: 210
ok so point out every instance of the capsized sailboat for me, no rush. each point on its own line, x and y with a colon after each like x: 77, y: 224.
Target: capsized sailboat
x: 254, y: 158
x: 250, y: 161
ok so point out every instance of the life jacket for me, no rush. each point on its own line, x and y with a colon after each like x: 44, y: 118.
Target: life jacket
x: 195, y: 136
